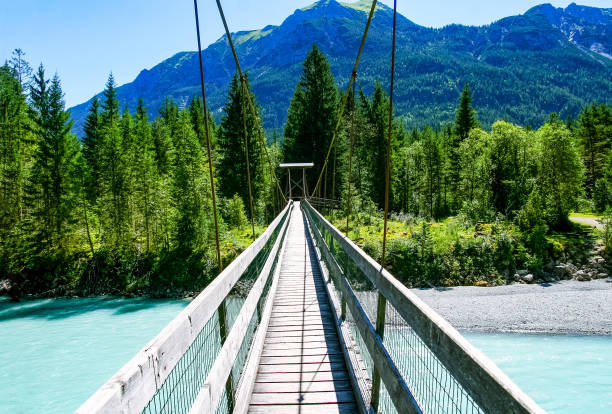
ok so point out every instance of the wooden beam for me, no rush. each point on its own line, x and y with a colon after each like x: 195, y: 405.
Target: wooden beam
x: 133, y: 386
x: 209, y: 398
x: 488, y: 386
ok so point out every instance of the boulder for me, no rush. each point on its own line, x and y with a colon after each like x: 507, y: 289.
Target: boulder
x: 582, y: 276
x: 562, y: 272
x: 522, y: 272
x: 527, y: 278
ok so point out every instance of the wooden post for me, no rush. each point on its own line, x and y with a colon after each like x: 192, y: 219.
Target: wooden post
x: 223, y: 331
x: 380, y: 330
x: 304, y: 182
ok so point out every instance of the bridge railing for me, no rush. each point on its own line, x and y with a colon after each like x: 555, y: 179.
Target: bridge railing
x: 195, y: 363
x: 426, y: 366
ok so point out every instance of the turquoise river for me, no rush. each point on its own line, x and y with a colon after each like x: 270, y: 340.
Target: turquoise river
x: 55, y: 353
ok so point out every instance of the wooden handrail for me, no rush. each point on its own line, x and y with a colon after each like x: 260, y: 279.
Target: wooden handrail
x: 135, y: 384
x: 488, y: 386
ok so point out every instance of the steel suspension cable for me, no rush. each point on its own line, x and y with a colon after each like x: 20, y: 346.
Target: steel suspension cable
x: 350, y: 171
x: 206, y: 128
x: 250, y: 101
x: 246, y: 151
x: 346, y: 95
x: 382, y: 301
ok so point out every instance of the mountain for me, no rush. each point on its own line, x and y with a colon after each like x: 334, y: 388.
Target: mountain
x: 520, y: 68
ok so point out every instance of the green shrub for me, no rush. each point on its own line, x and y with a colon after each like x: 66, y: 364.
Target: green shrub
x: 234, y: 212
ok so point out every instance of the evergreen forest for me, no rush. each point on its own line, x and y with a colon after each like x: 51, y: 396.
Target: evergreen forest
x: 127, y: 209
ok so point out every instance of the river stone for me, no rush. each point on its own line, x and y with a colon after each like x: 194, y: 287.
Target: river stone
x: 527, y: 278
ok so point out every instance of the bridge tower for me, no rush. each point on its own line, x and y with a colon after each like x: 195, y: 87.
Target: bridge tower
x: 291, y: 183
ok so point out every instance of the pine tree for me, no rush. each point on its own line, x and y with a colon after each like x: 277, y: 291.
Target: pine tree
x: 16, y: 147
x: 113, y: 202
x: 146, y: 175
x: 232, y: 166
x: 21, y: 67
x: 190, y: 188
x: 465, y: 121
x: 432, y: 165
x: 54, y: 163
x: 376, y: 114
x: 197, y: 121
x: 110, y: 103
x: 92, y: 142
x: 312, y: 117
x: 595, y: 142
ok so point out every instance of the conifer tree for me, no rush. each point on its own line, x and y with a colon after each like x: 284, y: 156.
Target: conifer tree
x: 311, y: 118
x: 466, y: 115
x: 21, y: 67
x: 595, y: 142
x: 54, y: 163
x: 110, y: 103
x: 375, y: 149
x: 92, y: 142
x: 190, y: 188
x: 146, y: 184
x: 232, y: 164
x: 115, y: 175
x: 163, y: 145
x: 465, y: 121
x: 15, y: 149
x: 197, y: 121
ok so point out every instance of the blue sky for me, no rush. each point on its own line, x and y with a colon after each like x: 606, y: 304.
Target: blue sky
x: 83, y: 40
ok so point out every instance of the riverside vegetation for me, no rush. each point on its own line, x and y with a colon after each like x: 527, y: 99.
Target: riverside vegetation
x: 127, y: 209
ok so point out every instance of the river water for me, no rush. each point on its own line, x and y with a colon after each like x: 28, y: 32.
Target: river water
x: 55, y: 353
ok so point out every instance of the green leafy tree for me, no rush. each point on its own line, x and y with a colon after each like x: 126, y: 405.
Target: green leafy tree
x: 561, y: 172
x: 512, y: 166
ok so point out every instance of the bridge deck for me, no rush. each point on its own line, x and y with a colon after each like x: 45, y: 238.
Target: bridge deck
x: 302, y: 368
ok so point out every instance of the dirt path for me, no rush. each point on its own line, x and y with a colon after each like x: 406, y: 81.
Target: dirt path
x: 588, y: 221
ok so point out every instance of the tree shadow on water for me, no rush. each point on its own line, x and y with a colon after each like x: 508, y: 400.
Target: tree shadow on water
x: 55, y: 309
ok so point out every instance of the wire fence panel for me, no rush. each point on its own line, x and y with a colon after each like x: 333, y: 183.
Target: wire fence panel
x: 432, y: 384
x: 177, y: 394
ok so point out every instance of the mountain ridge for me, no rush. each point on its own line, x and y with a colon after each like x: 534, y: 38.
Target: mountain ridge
x: 564, y: 53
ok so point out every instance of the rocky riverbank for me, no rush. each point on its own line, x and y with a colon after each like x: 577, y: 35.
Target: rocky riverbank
x: 565, y: 307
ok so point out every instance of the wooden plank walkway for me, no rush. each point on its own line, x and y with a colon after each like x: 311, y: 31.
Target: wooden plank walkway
x: 302, y: 368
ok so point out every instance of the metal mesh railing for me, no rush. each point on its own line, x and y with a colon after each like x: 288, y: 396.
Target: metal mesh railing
x: 433, y: 386
x: 180, y: 389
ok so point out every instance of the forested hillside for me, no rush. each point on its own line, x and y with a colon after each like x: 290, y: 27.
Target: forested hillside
x: 127, y: 208
x: 521, y: 68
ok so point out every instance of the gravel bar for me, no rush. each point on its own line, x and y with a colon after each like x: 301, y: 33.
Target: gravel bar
x: 566, y: 307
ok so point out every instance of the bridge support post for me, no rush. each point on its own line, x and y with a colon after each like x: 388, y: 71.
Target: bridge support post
x: 223, y: 334
x: 380, y: 330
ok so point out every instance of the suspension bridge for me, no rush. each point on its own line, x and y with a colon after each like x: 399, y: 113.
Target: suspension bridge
x: 293, y: 325
x: 304, y: 321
